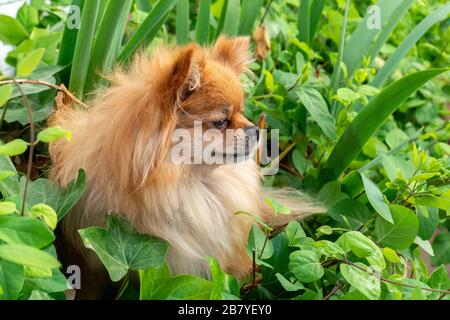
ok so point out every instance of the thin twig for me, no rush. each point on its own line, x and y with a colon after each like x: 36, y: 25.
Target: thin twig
x: 265, y: 13
x: 332, y: 292
x: 47, y: 84
x: 32, y: 142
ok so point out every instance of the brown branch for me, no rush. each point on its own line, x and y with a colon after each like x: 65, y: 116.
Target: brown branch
x: 266, y: 12
x: 47, y: 84
x: 32, y: 142
x: 332, y: 292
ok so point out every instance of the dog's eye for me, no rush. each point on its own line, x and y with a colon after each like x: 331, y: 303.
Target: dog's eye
x: 221, y: 124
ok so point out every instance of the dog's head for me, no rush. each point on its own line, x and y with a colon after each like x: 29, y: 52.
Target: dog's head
x: 188, y: 106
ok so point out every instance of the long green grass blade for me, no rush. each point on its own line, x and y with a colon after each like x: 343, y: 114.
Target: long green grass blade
x: 369, y: 120
x: 385, y: 33
x: 337, y: 69
x: 315, y: 15
x: 68, y: 42
x: 82, y: 54
x: 108, y: 38
x: 144, y: 5
x: 364, y: 34
x: 414, y: 36
x: 202, y: 27
x: 304, y: 21
x: 182, y: 21
x: 223, y: 15
x: 231, y: 25
x: 249, y: 12
x: 101, y: 12
x: 148, y: 29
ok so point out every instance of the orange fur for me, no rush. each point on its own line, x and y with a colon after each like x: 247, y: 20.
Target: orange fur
x: 123, y: 144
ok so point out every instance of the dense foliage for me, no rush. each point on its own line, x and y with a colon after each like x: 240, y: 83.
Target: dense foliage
x: 362, y: 111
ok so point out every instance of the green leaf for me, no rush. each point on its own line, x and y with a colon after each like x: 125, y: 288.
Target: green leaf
x: 54, y: 134
x: 288, y: 285
x: 376, y: 199
x: 347, y: 95
x: 11, y: 30
x: 5, y: 94
x: 7, y: 174
x: 121, y: 249
x: 232, y: 15
x: 363, y: 247
x: 11, y: 280
x: 305, y: 265
x: 147, y: 30
x: 47, y: 214
x: 277, y: 207
x: 415, y: 35
x: 294, y: 231
x: 14, y: 148
x: 318, y: 109
x: 9, y: 186
x: 350, y: 213
x: 202, y: 28
x: 364, y: 282
x: 441, y: 248
x: 329, y: 248
x: 304, y: 21
x: 259, y: 242
x: 369, y: 120
x: 25, y: 230
x: 27, y: 256
x: 61, y: 200
x: 424, y: 245
x: 428, y: 221
x: 7, y: 208
x: 158, y: 284
x: 391, y: 255
x: 182, y: 21
x: 439, y: 280
x: 28, y: 63
x: 401, y: 233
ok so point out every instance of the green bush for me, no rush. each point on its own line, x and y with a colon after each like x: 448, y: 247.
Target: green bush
x: 363, y: 119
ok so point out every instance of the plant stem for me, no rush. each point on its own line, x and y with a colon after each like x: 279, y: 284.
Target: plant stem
x: 332, y: 292
x: 50, y: 85
x: 32, y: 142
x: 266, y: 12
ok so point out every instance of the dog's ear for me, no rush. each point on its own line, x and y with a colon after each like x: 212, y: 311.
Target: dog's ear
x: 233, y: 52
x: 184, y: 75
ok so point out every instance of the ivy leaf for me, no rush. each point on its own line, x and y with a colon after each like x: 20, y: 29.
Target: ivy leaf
x: 158, y: 284
x: 47, y: 214
x: 120, y: 248
x: 376, y: 199
x: 401, y: 234
x: 305, y: 265
x: 288, y: 285
x: 364, y: 282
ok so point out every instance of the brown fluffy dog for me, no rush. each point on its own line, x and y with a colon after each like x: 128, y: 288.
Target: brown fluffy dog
x: 123, y: 142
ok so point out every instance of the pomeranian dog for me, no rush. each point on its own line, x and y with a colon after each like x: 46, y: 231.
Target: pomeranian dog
x: 124, y: 142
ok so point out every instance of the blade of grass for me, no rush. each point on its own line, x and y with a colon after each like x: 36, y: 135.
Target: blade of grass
x: 369, y: 120
x: 182, y: 21
x: 303, y: 21
x: 67, y: 46
x: 144, y: 5
x: 106, y: 42
x: 249, y: 12
x: 315, y: 15
x: 230, y: 25
x: 148, y: 29
x: 82, y: 54
x: 101, y: 12
x: 363, y: 36
x: 414, y: 36
x: 202, y: 27
x: 385, y: 33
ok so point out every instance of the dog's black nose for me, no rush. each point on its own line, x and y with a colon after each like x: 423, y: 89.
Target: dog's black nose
x: 252, y: 132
